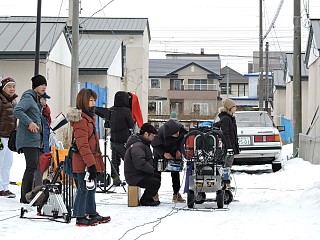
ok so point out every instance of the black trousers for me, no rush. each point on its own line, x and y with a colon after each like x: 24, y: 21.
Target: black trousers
x: 151, y: 185
x: 32, y: 177
x: 118, y: 152
x: 175, y: 176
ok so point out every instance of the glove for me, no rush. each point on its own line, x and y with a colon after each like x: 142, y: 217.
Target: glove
x: 93, y: 172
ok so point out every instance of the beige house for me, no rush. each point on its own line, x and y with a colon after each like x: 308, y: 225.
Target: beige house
x: 312, y: 60
x: 279, y: 95
x: 304, y: 91
x: 134, y: 34
x: 113, y: 53
x: 191, y: 88
x: 17, y: 53
x: 283, y: 92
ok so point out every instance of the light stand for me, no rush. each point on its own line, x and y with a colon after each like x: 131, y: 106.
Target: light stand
x: 107, y: 115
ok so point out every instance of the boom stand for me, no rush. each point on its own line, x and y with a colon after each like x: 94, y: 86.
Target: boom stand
x: 105, y: 113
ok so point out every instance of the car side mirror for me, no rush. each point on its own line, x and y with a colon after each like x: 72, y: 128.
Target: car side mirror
x: 281, y: 128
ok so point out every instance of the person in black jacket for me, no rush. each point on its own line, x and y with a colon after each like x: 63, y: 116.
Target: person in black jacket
x: 228, y: 126
x: 167, y: 145
x: 138, y: 165
x: 120, y: 126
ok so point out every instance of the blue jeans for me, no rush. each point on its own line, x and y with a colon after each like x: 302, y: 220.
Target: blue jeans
x: 85, y: 202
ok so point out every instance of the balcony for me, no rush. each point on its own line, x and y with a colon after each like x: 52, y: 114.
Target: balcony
x: 195, y: 92
x: 200, y: 87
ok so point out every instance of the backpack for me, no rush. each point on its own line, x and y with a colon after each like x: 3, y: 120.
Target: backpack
x: 67, y: 164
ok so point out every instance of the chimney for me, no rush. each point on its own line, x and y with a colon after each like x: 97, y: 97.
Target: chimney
x: 202, y: 51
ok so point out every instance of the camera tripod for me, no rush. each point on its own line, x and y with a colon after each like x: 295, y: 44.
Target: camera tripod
x: 104, y: 184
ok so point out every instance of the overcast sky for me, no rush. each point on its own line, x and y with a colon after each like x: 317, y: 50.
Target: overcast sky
x: 229, y: 28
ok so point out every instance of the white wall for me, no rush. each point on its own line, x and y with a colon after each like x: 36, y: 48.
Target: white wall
x: 313, y: 96
x: 61, y: 53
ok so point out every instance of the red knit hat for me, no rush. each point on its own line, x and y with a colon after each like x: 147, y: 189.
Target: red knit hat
x: 5, y: 81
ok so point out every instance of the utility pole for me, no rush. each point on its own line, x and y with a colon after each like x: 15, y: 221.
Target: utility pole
x: 267, y: 78
x: 38, y: 27
x: 227, y: 82
x: 297, y: 126
x: 260, y: 83
x: 75, y: 51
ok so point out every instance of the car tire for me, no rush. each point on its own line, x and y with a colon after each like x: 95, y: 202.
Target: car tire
x: 276, y: 167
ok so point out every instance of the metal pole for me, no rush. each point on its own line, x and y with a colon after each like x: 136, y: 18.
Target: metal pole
x: 267, y: 77
x: 38, y: 27
x: 227, y: 82
x: 75, y: 53
x: 297, y: 125
x: 260, y: 84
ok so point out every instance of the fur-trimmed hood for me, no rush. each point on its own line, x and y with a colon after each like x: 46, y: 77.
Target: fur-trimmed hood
x: 74, y: 115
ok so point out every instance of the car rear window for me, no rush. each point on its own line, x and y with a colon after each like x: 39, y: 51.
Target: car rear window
x: 253, y: 119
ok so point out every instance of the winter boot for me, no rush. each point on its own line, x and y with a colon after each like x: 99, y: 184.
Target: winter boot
x: 100, y: 219
x: 116, y: 181
x: 177, y: 198
x: 156, y: 197
x: 85, y: 222
x: 149, y: 202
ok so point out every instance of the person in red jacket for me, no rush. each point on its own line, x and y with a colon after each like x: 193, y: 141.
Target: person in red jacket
x: 87, y: 160
x: 7, y: 125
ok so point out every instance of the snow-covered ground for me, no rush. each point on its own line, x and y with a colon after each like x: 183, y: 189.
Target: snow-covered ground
x: 283, y: 205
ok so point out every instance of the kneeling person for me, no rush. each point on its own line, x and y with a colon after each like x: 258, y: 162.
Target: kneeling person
x: 138, y: 164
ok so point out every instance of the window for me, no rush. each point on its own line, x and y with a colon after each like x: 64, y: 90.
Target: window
x: 242, y: 90
x: 200, y: 108
x: 224, y: 88
x: 154, y: 83
x: 177, y: 85
x: 200, y: 84
x: 155, y: 107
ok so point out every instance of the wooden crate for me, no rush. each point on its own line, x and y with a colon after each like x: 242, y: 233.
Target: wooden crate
x: 133, y: 196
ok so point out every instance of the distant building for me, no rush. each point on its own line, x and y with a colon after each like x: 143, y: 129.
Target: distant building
x: 188, y: 87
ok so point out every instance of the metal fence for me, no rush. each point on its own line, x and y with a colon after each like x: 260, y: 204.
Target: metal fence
x: 309, y: 148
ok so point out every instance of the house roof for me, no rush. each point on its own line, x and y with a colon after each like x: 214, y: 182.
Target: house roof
x: 279, y: 78
x: 234, y: 76
x: 315, y: 23
x: 97, y: 53
x: 314, y: 35
x: 18, y: 38
x: 167, y: 67
x: 127, y: 26
x: 304, y: 70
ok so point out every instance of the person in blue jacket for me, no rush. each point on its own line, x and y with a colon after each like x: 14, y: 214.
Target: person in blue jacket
x: 30, y: 133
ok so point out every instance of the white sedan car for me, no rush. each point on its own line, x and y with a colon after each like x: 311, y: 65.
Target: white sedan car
x: 259, y: 139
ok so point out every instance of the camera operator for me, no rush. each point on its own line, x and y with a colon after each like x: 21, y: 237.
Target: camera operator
x: 167, y: 145
x: 120, y: 128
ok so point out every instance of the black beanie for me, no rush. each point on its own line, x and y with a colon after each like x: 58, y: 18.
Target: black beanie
x: 38, y: 80
x: 147, y: 127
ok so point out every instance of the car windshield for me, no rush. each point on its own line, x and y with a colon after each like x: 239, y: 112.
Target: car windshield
x: 253, y: 119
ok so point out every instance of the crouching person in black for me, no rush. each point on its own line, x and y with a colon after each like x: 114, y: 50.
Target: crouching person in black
x: 138, y: 164
x: 167, y: 145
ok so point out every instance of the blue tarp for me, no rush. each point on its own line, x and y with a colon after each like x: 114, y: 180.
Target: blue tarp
x: 102, y: 101
x: 287, y: 135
